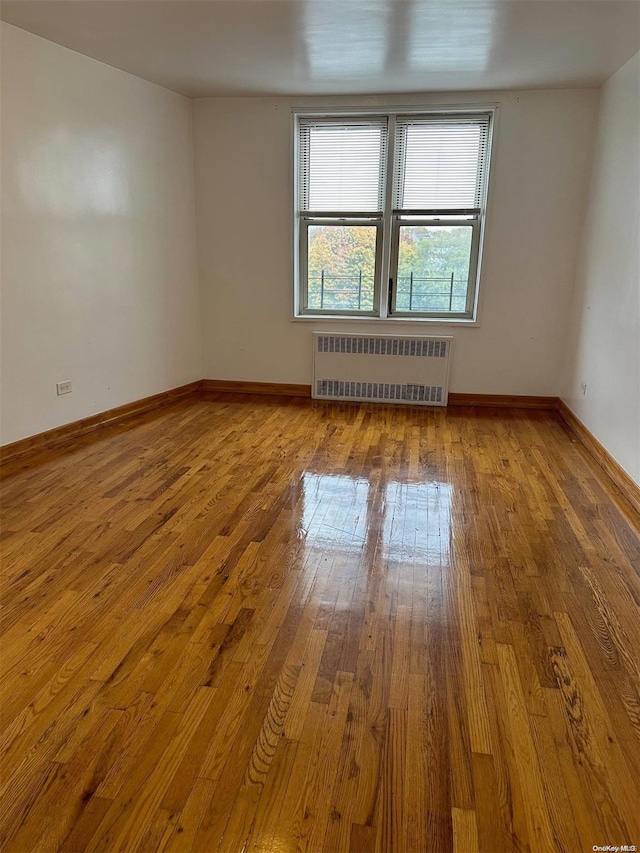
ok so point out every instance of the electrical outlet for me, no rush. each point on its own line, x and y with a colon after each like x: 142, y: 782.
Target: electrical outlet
x: 63, y: 387
x: 583, y: 388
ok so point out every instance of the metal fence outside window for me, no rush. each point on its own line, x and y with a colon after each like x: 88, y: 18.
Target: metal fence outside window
x: 346, y: 291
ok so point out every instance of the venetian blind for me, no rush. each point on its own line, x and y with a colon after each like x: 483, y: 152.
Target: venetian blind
x: 342, y: 164
x: 440, y: 162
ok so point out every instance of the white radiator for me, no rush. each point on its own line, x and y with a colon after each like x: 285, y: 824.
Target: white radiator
x: 392, y: 368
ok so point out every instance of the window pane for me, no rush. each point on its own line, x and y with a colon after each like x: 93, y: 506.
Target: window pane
x: 341, y: 267
x: 433, y: 268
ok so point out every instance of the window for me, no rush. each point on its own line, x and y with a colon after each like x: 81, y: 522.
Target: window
x: 408, y: 246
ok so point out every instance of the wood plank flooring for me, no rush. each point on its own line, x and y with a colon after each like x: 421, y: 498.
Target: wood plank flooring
x: 258, y: 624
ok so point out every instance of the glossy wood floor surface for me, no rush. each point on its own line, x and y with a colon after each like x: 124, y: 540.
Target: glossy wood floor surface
x: 250, y: 624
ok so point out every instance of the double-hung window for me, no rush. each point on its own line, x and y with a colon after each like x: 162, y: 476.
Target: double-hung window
x: 389, y: 214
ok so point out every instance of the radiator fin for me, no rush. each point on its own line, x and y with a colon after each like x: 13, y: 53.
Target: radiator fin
x: 340, y: 389
x: 419, y: 347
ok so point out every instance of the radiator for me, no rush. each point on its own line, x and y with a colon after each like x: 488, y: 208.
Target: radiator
x: 391, y: 368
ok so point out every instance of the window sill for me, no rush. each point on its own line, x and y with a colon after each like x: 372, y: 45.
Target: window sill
x: 411, y: 321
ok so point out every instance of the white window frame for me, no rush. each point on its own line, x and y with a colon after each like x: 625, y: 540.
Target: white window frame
x: 389, y: 223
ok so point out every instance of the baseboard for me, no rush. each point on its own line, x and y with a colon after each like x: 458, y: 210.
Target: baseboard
x: 270, y: 388
x: 621, y: 480
x: 503, y: 401
x: 76, y: 429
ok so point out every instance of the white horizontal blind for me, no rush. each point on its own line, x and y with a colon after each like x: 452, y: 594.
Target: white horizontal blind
x: 342, y: 165
x: 440, y: 162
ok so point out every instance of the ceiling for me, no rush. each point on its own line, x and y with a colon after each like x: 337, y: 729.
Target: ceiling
x: 311, y: 47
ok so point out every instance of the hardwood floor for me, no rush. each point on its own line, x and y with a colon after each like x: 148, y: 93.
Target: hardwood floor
x: 251, y: 624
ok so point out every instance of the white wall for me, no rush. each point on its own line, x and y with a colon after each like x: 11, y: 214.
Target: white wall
x: 604, y: 344
x: 99, y: 277
x: 243, y: 158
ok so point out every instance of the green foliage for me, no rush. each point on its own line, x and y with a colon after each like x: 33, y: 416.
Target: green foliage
x: 346, y: 255
x: 434, y: 252
x: 439, y: 260
x: 342, y: 266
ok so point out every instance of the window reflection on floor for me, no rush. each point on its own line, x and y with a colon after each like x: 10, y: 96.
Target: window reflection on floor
x: 335, y: 511
x: 417, y: 522
x: 342, y: 514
